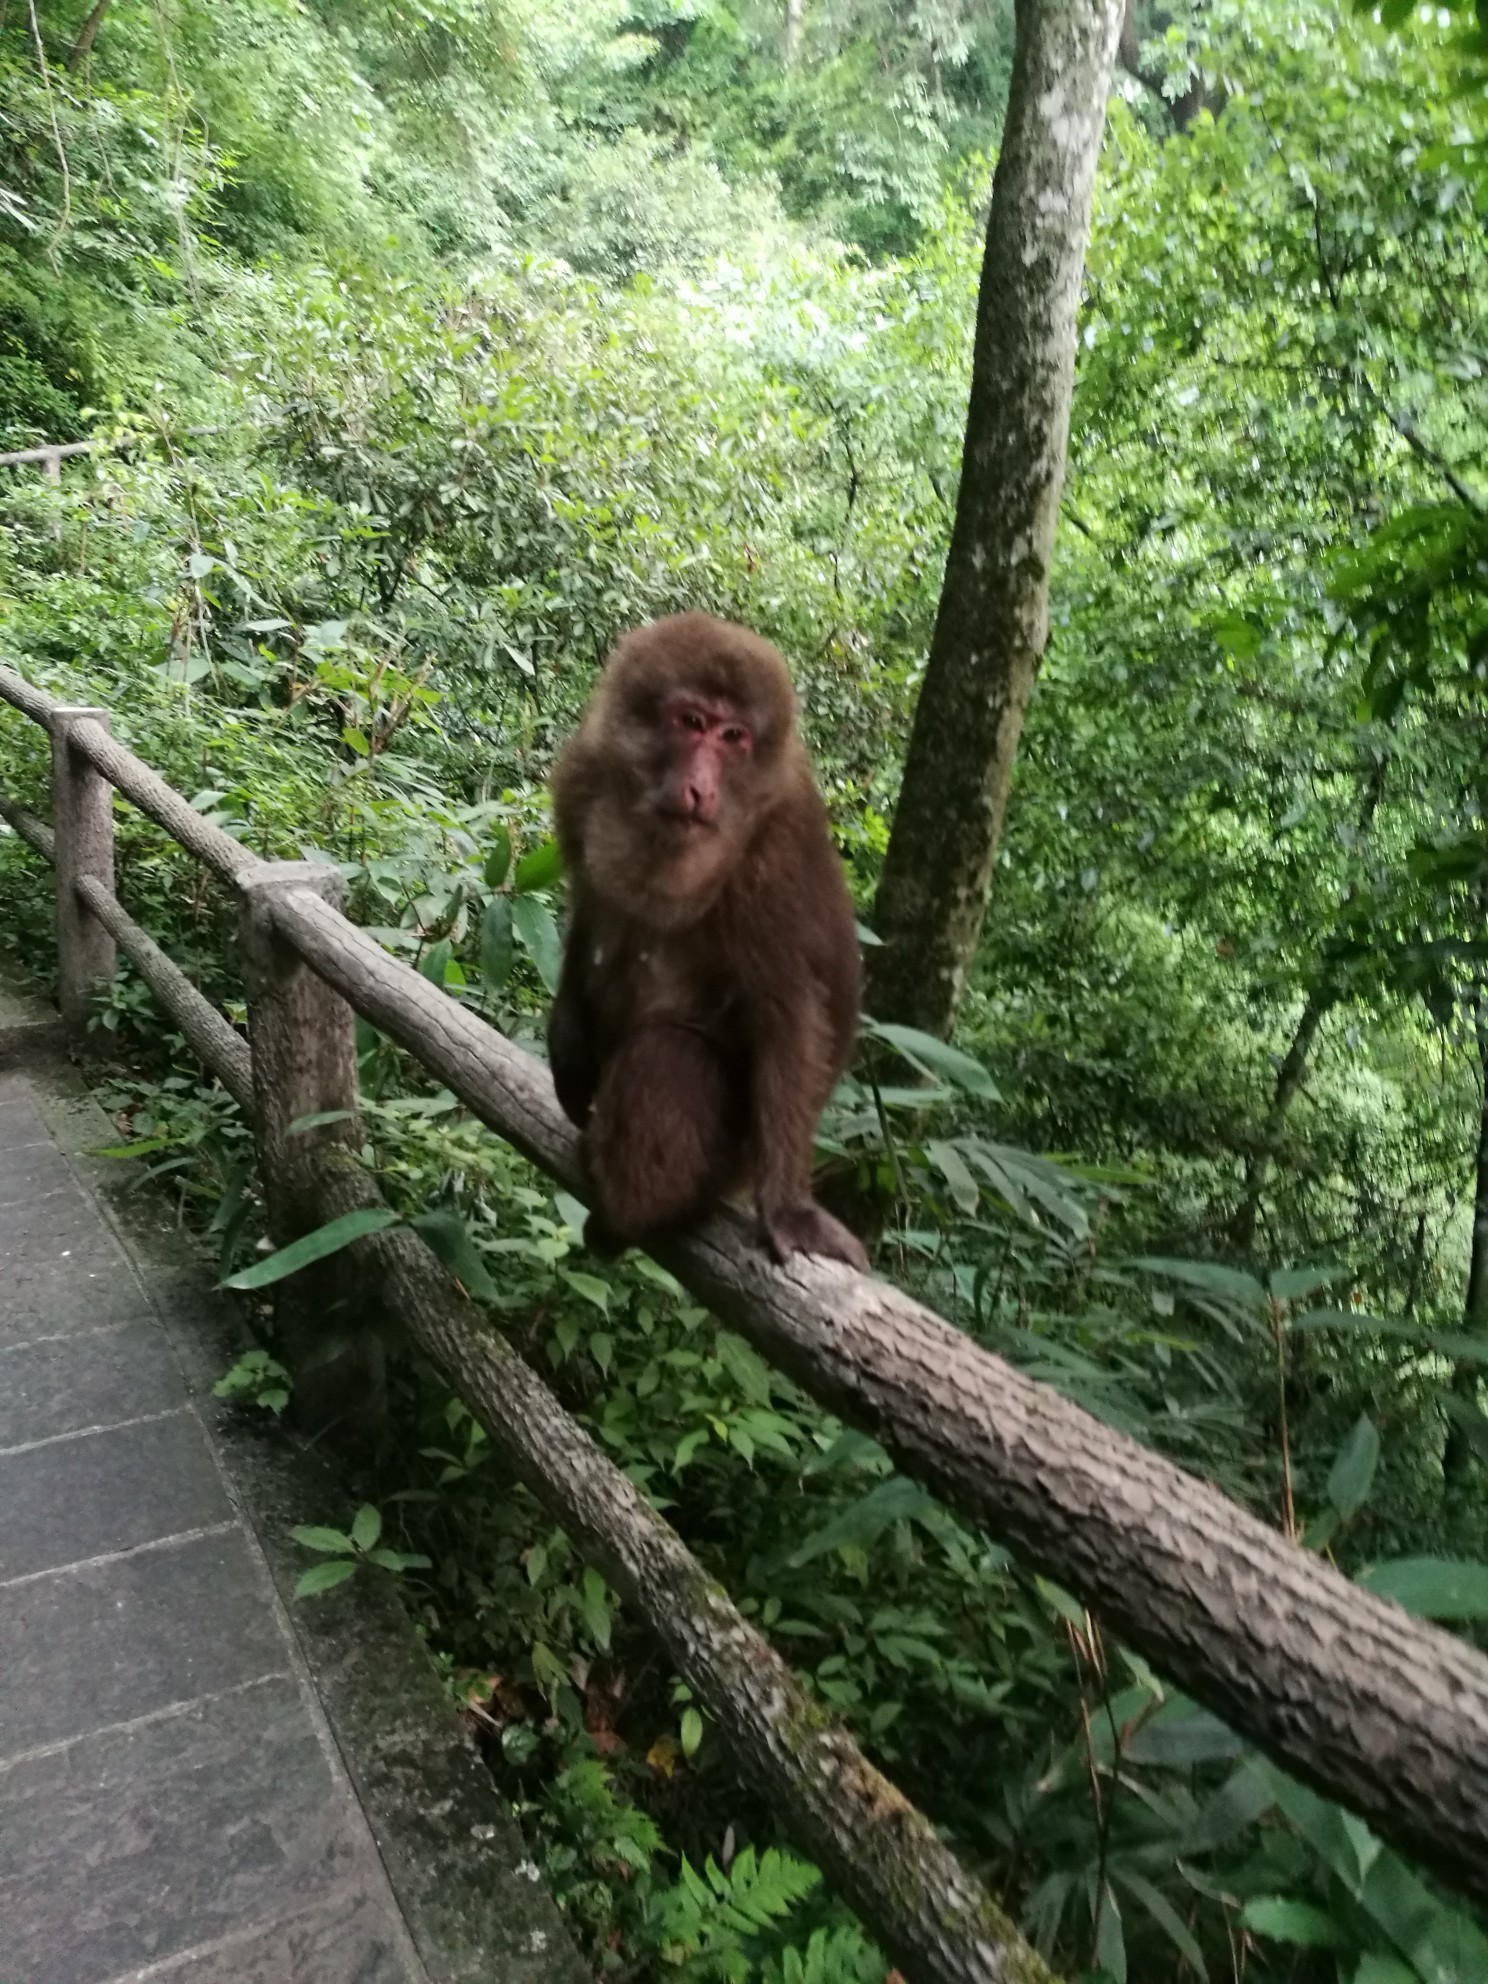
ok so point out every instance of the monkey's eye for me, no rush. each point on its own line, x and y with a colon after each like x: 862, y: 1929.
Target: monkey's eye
x: 737, y: 736
x: 692, y: 720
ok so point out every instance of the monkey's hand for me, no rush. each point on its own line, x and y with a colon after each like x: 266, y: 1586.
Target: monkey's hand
x: 808, y: 1228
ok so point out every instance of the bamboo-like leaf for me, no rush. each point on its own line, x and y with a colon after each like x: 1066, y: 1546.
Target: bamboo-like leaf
x: 325, y: 1240
x: 449, y: 1237
x: 934, y: 1057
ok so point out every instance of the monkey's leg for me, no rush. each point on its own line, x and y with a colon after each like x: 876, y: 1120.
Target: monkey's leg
x: 658, y: 1137
x: 791, y: 1082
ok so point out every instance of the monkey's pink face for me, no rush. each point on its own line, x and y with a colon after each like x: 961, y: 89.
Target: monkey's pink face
x: 702, y: 764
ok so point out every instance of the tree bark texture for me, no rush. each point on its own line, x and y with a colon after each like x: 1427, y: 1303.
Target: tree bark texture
x: 1289, y: 1079
x: 1457, y: 1453
x: 1343, y: 1689
x: 795, y: 11
x: 993, y: 617
x: 35, y: 833
x: 83, y: 836
x: 214, y: 1039
x: 82, y: 48
x: 881, y: 1853
x: 303, y: 1040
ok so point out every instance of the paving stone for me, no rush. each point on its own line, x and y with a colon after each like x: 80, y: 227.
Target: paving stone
x: 32, y: 1171
x: 105, y: 1643
x: 44, y: 1223
x: 87, y: 1494
x: 352, y: 1940
x: 95, y: 1377
x: 20, y: 1120
x: 134, y: 1845
x: 80, y: 1290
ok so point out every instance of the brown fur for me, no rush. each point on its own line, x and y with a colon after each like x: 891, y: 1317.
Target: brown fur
x: 710, y: 984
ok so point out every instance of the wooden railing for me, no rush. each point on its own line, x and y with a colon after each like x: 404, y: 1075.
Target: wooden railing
x: 1343, y: 1689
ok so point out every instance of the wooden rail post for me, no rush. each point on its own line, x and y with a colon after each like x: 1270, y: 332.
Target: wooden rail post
x: 83, y: 822
x: 303, y: 1039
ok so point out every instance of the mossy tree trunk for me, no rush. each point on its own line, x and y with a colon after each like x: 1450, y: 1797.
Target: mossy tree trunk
x: 993, y: 618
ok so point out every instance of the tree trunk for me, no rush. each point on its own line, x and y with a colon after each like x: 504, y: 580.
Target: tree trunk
x: 82, y: 48
x: 795, y: 12
x: 1457, y: 1454
x: 1289, y: 1079
x: 993, y: 619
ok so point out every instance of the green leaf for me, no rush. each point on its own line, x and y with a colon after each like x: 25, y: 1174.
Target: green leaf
x: 1352, y: 1474
x: 144, y: 1148
x: 356, y: 740
x: 327, y: 1239
x: 1244, y: 1797
x: 302, y: 1125
x: 1375, y: 1969
x: 325, y: 1577
x: 692, y: 1732
x: 863, y: 1521
x: 934, y: 1057
x: 595, y: 1607
x: 1165, y: 1916
x: 1432, y: 1587
x: 539, y: 868
x: 496, y: 943
x: 590, y: 1287
x: 498, y: 861
x: 953, y: 1167
x: 571, y: 1212
x: 332, y: 1542
x: 398, y: 1561
x: 1182, y: 1734
x: 537, y: 933
x: 869, y: 939
x: 449, y: 1237
x: 602, y: 1350
x: 435, y: 961
x: 1293, y: 1284
x: 1061, y: 1601
x: 1237, y: 635
x: 367, y: 1526
x: 1232, y: 1284
x: 1297, y: 1922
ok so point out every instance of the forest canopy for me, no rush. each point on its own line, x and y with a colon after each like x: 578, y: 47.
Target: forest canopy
x: 424, y: 347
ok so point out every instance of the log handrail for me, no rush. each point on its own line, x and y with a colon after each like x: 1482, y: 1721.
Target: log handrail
x: 1342, y: 1688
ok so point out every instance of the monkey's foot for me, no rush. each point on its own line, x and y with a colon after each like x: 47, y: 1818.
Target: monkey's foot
x: 809, y: 1229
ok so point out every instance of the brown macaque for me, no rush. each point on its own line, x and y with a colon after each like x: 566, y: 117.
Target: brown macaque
x: 710, y: 985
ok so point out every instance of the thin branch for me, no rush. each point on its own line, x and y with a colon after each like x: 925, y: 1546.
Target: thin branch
x: 65, y: 220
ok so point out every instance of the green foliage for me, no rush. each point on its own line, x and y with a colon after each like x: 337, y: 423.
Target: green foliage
x: 346, y: 1553
x: 435, y: 345
x: 258, y: 1379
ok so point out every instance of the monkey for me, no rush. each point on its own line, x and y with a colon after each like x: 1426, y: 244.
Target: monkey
x: 708, y: 999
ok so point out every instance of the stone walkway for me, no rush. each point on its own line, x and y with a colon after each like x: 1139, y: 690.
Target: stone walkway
x: 173, y: 1803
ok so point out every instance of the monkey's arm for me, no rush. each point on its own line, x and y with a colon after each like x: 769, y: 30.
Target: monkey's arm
x: 573, y: 1055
